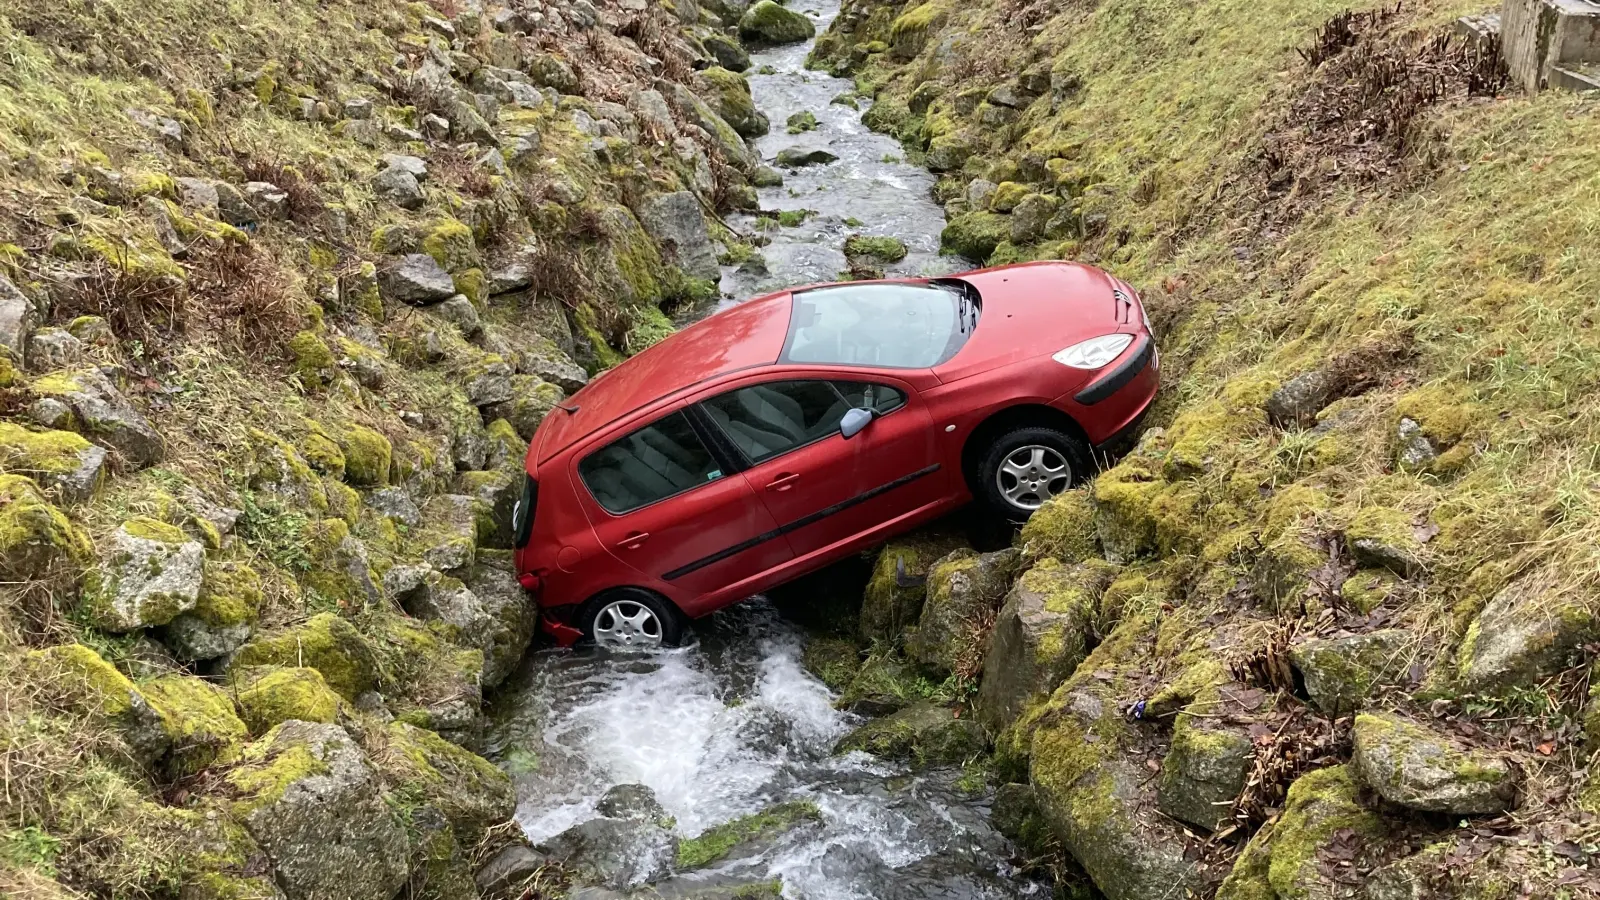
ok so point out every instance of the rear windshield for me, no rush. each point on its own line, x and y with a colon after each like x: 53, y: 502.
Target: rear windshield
x: 898, y: 326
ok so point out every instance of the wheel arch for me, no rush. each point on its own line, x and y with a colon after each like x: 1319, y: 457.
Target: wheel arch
x: 1002, y: 421
x: 601, y: 594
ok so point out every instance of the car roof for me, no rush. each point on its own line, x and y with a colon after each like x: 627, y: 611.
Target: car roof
x: 740, y: 337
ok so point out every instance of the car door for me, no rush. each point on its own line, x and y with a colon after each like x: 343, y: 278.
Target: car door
x: 821, y: 487
x: 665, y: 505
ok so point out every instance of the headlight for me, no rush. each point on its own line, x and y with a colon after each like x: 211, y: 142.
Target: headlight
x: 1095, y: 352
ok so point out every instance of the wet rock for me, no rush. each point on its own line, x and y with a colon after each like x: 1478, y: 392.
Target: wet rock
x: 61, y: 461
x: 895, y: 593
x: 766, y: 176
x: 1526, y: 633
x: 677, y: 223
x: 615, y: 853
x: 149, y: 573
x: 1015, y: 814
x: 1204, y: 771
x: 1050, y: 620
x: 1343, y: 673
x: 1417, y: 767
x: 745, y: 836
x: 1416, y: 451
x: 924, y: 733
x: 962, y: 586
x: 514, y: 613
x: 102, y: 414
x: 633, y: 802
x: 766, y: 23
x: 304, y: 784
x: 729, y: 94
x: 796, y: 157
x: 417, y: 279
x: 508, y: 870
x: 728, y: 53
x: 398, y: 186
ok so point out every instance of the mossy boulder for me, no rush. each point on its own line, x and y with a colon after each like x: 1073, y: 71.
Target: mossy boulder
x: 430, y: 680
x: 149, y: 573
x: 200, y: 720
x: 894, y: 595
x: 339, y: 570
x: 728, y: 53
x: 924, y: 734
x: 1050, y: 621
x: 515, y: 616
x: 38, y: 543
x: 729, y: 94
x: 1062, y: 529
x: 1421, y: 768
x: 834, y: 660
x: 885, y: 683
x: 881, y: 249
x: 101, y: 412
x: 1124, y: 518
x: 531, y: 400
x: 963, y: 589
x: 423, y: 769
x: 1342, y: 674
x: 1381, y: 537
x: 275, y: 695
x: 307, y: 795
x: 801, y: 122
x: 325, y: 642
x: 448, y: 539
x: 59, y: 460
x: 278, y: 468
x: 1204, y: 770
x: 496, y: 492
x: 223, y: 617
x: 745, y: 835
x: 368, y: 455
x: 78, y: 679
x: 974, y: 235
x: 766, y: 23
x: 1321, y: 805
x: 1529, y: 631
x: 313, y: 360
x: 1006, y: 196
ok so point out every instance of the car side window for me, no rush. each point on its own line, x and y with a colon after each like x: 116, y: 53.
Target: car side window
x: 765, y: 420
x: 663, y: 458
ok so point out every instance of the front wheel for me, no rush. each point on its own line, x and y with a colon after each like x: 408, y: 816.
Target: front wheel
x: 1027, y: 466
x: 631, y: 619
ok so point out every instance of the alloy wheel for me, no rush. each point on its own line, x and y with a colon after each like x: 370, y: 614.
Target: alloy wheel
x: 1030, y: 475
x: 627, y: 625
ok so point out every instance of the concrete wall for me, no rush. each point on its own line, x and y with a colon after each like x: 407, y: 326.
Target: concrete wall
x: 1538, y: 34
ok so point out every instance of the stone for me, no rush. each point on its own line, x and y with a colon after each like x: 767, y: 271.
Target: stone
x: 1341, y: 674
x: 1383, y: 538
x: 92, y: 687
x: 1204, y: 772
x: 440, y: 598
x: 796, y: 157
x: 766, y: 23
x: 1542, y: 40
x: 1008, y: 96
x: 309, y: 798
x: 397, y: 504
x: 620, y: 854
x: 1050, y: 621
x: 633, y: 802
x: 224, y: 615
x: 924, y: 734
x: 324, y: 642
x: 17, y: 317
x: 398, y: 186
x: 279, y: 695
x: 1297, y: 402
x: 358, y: 108
x: 542, y: 357
x: 975, y: 235
x: 506, y: 871
x: 1527, y: 633
x: 449, y: 535
x: 1031, y: 216
x: 38, y: 542
x: 766, y: 177
x: 268, y: 200
x: 470, y: 792
x: 516, y: 617
x: 1418, y: 767
x: 961, y: 586
x: 979, y: 192
x: 728, y: 53
x: 1416, y: 451
x: 678, y: 224
x: 527, y: 401
x: 102, y: 414
x: 233, y: 206
x: 895, y: 593
x: 460, y: 312
x: 416, y: 279
x: 168, y: 131
x: 199, y: 718
x: 58, y: 460
x: 149, y: 573
x: 198, y: 195
x: 729, y: 94
x: 1321, y: 804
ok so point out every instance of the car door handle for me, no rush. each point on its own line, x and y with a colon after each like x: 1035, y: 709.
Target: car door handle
x: 633, y: 541
x: 783, y: 482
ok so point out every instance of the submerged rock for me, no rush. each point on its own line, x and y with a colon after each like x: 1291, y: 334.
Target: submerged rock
x: 924, y: 733
x: 795, y: 157
x: 620, y: 852
x: 1415, y: 766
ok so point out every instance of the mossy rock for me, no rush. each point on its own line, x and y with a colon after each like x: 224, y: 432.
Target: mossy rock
x: 963, y: 588
x: 423, y: 769
x: 150, y: 572
x: 974, y: 235
x: 1063, y: 529
x: 1420, y: 768
x: 532, y: 399
x: 79, y: 679
x: 339, y: 569
x: 368, y: 456
x: 280, y: 469
x: 766, y: 23
x: 325, y: 642
x: 38, y: 543
x: 745, y: 835
x: 894, y: 595
x: 834, y: 660
x: 276, y: 695
x: 924, y: 734
x: 60, y: 460
x: 1529, y: 631
x: 1320, y: 805
x: 321, y: 451
x: 223, y: 616
x: 801, y: 122
x: 1382, y: 537
x: 1006, y: 196
x: 729, y: 94
x: 1342, y: 674
x: 1204, y: 771
x: 200, y: 720
x: 886, y: 683
x: 450, y: 242
x: 883, y: 249
x: 313, y: 360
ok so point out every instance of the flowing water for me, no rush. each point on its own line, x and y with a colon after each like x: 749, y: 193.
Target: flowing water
x: 726, y: 727
x: 870, y: 190
x: 734, y: 723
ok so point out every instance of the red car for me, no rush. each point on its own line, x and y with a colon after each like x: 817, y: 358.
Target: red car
x: 793, y: 430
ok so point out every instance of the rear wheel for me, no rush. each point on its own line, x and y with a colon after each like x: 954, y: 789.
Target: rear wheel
x: 631, y: 619
x: 1027, y: 466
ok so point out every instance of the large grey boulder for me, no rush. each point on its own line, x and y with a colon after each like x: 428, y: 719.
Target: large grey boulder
x: 101, y: 413
x: 149, y: 573
x: 417, y: 279
x: 545, y: 359
x: 677, y: 223
x: 961, y: 587
x: 16, y: 319
x: 1415, y: 766
x: 1343, y: 673
x: 53, y: 348
x: 1204, y: 771
x: 1044, y: 630
x: 514, y: 614
x: 310, y: 800
x: 621, y: 851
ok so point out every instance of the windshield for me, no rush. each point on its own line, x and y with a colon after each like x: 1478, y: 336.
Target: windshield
x: 899, y: 326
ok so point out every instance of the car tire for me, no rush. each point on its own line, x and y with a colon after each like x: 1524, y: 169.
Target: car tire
x: 631, y: 619
x: 1026, y: 466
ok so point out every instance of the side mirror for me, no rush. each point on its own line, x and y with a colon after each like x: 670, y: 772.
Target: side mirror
x: 854, y: 420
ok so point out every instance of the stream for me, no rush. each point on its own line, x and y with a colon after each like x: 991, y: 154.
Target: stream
x: 733, y: 722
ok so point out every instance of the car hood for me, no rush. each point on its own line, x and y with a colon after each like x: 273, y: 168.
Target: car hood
x: 1032, y: 310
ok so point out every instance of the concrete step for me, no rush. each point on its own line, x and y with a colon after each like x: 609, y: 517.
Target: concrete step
x: 1574, y: 78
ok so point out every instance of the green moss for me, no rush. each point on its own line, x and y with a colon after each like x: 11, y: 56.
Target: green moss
x: 1367, y: 589
x: 834, y: 660
x: 587, y: 322
x: 425, y: 769
x: 1320, y: 803
x: 1063, y: 528
x: 229, y: 595
x: 801, y: 122
x: 321, y: 451
x: 1007, y: 196
x: 650, y: 327
x: 88, y: 681
x: 40, y: 453
x: 37, y: 542
x: 974, y: 235
x: 280, y: 469
x: 281, y: 694
x: 200, y: 720
x: 768, y: 23
x: 267, y: 772
x: 368, y: 456
x: 450, y: 242
x: 326, y: 643
x: 149, y: 529
x: 313, y: 360
x: 887, y: 249
x: 790, y: 218
x: 1248, y: 880
x: 717, y: 842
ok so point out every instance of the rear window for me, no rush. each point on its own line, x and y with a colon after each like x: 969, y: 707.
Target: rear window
x: 663, y: 458
x: 899, y: 326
